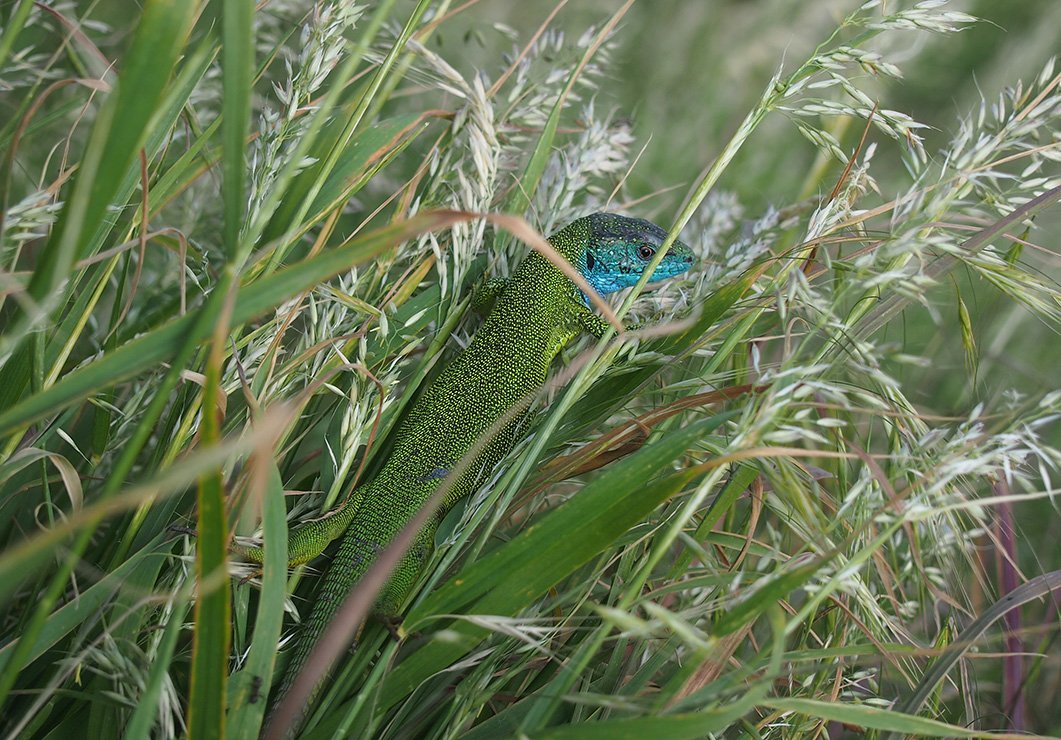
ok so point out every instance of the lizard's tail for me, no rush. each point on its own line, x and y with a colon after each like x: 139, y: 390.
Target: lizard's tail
x: 356, y: 556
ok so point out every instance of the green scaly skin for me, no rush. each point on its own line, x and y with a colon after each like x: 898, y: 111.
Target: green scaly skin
x: 537, y: 312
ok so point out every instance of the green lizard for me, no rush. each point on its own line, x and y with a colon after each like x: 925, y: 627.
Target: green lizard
x: 537, y: 312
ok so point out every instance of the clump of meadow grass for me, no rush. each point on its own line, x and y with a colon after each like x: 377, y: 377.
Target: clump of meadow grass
x: 225, y: 275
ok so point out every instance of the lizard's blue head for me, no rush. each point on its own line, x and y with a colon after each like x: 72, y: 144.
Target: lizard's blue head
x: 618, y: 249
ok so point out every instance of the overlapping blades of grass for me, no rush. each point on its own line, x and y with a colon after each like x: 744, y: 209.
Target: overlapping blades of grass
x: 510, y: 578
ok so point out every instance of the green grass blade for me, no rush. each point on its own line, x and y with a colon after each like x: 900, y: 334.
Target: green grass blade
x: 22, y: 557
x: 252, y: 683
x: 334, y: 150
x: 875, y: 718
x: 363, y: 155
x: 738, y: 482
x: 520, y: 198
x: 602, y: 399
x: 814, y: 310
x: 237, y: 65
x: 212, y: 636
x: 672, y: 727
x: 143, y: 719
x: 711, y: 312
x: 766, y: 596
x: 1035, y: 588
x: 15, y: 22
x: 892, y: 306
x: 16, y: 372
x: 280, y: 190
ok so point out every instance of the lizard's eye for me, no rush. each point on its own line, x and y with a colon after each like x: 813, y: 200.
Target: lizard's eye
x: 645, y: 253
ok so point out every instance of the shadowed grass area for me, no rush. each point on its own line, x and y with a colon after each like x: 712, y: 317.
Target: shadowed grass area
x: 813, y: 491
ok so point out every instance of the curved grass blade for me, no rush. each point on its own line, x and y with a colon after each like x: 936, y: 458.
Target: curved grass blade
x: 1036, y: 588
x: 673, y: 727
x: 251, y: 684
x: 875, y: 718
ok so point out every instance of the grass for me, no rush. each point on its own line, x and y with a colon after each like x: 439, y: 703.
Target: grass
x: 813, y: 493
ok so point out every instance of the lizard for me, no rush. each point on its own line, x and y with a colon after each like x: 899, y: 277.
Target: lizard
x: 536, y: 312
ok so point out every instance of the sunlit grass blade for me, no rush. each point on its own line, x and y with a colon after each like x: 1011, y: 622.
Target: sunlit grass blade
x: 237, y: 65
x: 252, y: 683
x: 212, y: 634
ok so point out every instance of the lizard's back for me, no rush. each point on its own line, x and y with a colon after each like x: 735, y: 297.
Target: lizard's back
x: 535, y: 316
